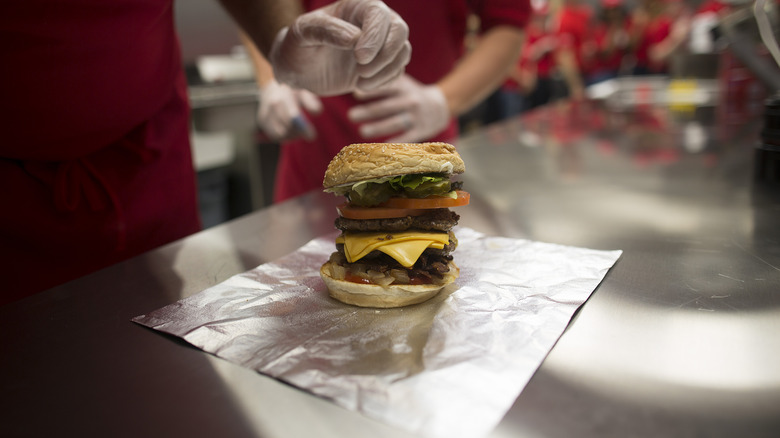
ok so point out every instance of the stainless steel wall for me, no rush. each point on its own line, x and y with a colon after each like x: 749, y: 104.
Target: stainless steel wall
x: 204, y: 29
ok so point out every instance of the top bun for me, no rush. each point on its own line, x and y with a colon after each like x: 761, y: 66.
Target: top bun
x: 358, y: 162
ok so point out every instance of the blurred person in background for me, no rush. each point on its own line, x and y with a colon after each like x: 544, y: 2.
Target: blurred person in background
x: 572, y: 31
x: 95, y: 162
x: 660, y: 28
x: 534, y: 74
x: 610, y: 40
x: 441, y: 82
x: 704, y: 31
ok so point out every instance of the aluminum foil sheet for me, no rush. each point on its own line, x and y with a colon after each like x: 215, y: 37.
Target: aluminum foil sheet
x: 449, y: 367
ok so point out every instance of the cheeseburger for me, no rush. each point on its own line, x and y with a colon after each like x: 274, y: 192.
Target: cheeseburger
x: 396, y: 227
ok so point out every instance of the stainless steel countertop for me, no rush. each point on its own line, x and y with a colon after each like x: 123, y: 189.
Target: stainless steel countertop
x: 682, y: 338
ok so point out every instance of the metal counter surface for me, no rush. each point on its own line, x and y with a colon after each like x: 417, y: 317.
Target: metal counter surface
x: 682, y: 338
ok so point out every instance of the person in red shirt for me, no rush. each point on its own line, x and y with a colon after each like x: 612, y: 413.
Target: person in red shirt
x: 529, y: 83
x: 441, y: 82
x: 572, y: 31
x: 704, y: 25
x: 95, y: 162
x: 534, y: 72
x: 610, y: 41
x: 661, y: 28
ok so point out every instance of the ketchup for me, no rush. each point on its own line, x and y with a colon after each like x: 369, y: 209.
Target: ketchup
x: 419, y: 279
x: 356, y: 279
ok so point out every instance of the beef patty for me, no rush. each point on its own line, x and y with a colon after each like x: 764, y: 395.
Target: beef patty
x: 440, y: 219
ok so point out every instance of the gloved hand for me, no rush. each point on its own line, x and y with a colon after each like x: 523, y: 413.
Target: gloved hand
x: 406, y: 107
x: 348, y: 45
x: 279, y: 115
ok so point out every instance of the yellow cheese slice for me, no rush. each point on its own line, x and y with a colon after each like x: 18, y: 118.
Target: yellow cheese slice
x: 406, y: 247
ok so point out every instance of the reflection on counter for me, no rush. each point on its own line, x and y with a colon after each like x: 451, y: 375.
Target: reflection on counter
x: 639, y: 126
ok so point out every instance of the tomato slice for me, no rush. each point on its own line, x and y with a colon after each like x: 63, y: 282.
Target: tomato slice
x: 352, y: 212
x: 429, y: 202
x: 401, y: 207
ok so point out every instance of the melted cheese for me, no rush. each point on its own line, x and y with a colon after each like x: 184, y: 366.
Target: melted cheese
x: 406, y: 247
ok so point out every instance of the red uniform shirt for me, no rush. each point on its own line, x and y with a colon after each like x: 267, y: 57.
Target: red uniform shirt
x: 437, y: 32
x: 655, y: 32
x: 96, y: 143
x: 611, y: 53
x: 573, y: 30
x: 712, y: 6
x: 536, y: 35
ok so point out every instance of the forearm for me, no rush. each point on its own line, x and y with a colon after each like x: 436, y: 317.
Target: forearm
x: 515, y: 73
x: 264, y: 72
x: 482, y: 70
x: 528, y: 79
x: 662, y: 51
x: 262, y: 19
x: 567, y: 65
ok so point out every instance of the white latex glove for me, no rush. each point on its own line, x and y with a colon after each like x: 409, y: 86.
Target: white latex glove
x: 347, y: 45
x: 279, y: 114
x: 408, y: 108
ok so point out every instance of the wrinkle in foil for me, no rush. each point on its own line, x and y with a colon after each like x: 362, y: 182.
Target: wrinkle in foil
x: 449, y: 367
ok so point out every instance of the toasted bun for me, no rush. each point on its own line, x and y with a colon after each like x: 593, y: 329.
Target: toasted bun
x: 371, y: 295
x: 362, y: 161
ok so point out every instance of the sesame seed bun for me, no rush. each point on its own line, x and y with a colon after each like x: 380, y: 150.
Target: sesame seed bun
x: 362, y: 161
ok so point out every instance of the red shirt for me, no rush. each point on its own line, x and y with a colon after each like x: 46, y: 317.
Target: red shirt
x: 611, y: 54
x: 573, y: 31
x: 712, y: 6
x: 535, y: 35
x: 656, y: 31
x: 96, y: 141
x: 437, y: 32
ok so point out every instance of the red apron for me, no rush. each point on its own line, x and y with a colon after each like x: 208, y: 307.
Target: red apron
x: 96, y: 164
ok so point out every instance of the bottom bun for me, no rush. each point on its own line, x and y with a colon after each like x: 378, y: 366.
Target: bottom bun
x: 394, y: 295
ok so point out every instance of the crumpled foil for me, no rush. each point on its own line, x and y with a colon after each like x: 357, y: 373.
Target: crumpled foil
x: 449, y: 367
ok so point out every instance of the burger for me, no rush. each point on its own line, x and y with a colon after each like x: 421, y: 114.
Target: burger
x: 396, y: 241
